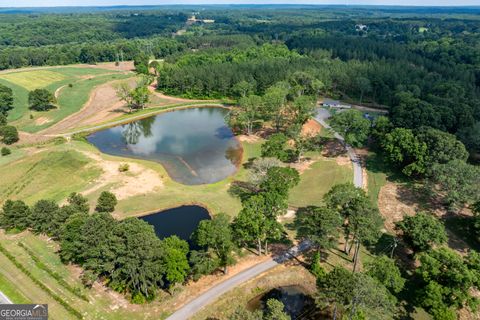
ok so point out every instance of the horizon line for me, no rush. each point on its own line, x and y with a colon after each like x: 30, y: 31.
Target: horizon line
x: 245, y: 4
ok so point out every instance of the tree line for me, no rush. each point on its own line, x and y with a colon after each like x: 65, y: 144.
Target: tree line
x: 129, y: 257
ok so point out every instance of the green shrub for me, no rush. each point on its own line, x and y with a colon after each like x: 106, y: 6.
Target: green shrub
x: 138, y: 298
x: 124, y: 167
x: 5, y: 151
x: 9, y: 134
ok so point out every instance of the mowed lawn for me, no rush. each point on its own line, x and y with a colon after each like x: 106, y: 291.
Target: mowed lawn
x: 69, y: 101
x: 74, y: 83
x: 54, y: 170
x: 317, y: 180
x: 34, y: 79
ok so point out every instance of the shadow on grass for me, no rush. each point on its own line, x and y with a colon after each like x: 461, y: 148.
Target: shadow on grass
x: 462, y: 227
x: 376, y: 162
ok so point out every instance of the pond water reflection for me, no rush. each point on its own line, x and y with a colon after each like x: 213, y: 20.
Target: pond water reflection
x: 298, y: 305
x: 181, y: 221
x: 194, y: 145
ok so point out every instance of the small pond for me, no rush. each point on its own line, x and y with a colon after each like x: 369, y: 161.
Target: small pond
x: 181, y: 221
x: 298, y: 305
x: 194, y: 145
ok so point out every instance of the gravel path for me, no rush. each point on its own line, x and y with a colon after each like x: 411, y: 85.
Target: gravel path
x: 212, y: 294
x: 321, y: 116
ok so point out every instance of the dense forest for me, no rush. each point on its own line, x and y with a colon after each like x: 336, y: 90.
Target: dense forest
x: 274, y: 63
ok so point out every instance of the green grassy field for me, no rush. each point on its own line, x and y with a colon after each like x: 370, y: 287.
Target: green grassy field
x: 20, y: 100
x: 377, y: 177
x: 54, y: 170
x: 34, y: 79
x: 70, y: 99
x: 317, y: 180
x: 51, y: 173
x: 10, y: 290
x: 100, y: 305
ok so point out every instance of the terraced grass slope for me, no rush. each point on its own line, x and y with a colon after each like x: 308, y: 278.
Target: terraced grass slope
x: 50, y: 174
x: 71, y: 85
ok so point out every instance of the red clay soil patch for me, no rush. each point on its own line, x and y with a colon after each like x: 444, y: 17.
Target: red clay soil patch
x: 311, y: 128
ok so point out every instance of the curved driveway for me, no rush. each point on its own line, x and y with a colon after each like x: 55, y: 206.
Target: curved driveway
x: 212, y: 294
x: 321, y: 117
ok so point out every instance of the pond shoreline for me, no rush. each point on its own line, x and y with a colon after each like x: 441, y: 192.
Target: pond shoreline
x: 195, y: 145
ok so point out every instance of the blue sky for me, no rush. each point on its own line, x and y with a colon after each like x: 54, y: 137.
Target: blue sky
x: 52, y: 3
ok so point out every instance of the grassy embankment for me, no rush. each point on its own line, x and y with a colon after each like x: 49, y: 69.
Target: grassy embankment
x: 52, y: 171
x: 70, y: 99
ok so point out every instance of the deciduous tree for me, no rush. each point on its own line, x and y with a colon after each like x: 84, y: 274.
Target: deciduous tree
x: 9, y: 134
x: 320, y: 225
x: 404, y: 150
x: 352, y: 126
x: 106, y: 202
x: 457, y: 181
x: 387, y: 272
x: 216, y: 235
x: 15, y: 214
x: 41, y: 100
x: 422, y: 231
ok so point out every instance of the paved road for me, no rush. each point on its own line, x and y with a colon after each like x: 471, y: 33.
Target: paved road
x: 212, y: 294
x: 4, y: 299
x: 321, y: 117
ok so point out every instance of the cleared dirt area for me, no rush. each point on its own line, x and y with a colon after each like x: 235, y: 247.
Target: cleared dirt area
x: 32, y: 138
x: 395, y: 202
x: 168, y: 99
x: 138, y: 180
x: 312, y: 127
x: 103, y: 104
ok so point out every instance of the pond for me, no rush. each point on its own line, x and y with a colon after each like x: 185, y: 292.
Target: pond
x: 181, y: 221
x: 298, y: 305
x: 194, y: 145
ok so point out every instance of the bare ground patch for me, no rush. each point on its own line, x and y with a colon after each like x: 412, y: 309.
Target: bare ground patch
x: 31, y: 138
x: 395, y: 202
x: 248, y: 138
x: 312, y: 127
x: 137, y: 181
x: 103, y: 104
x: 302, y: 165
x: 42, y: 120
